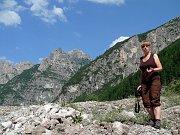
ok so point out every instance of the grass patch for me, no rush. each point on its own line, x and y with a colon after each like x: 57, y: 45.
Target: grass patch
x: 172, y: 93
x: 141, y: 118
x: 112, y: 116
x: 165, y: 124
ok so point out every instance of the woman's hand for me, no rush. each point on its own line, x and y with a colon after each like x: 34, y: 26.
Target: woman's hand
x: 150, y: 69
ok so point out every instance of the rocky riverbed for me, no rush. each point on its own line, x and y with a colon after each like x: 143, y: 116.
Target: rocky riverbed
x: 86, y: 118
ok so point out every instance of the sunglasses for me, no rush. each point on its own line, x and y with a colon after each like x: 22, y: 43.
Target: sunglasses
x: 144, y: 46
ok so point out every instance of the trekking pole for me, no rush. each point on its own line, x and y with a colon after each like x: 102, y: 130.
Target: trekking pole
x: 137, y: 99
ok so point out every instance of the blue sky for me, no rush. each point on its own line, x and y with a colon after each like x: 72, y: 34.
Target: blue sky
x: 31, y: 29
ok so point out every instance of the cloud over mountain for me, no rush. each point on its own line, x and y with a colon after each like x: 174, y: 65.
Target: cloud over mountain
x: 120, y: 39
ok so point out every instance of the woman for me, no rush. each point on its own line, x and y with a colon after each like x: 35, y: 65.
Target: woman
x: 150, y: 66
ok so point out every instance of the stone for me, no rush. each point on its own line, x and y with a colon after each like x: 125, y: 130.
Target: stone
x: 7, y: 124
x: 29, y: 129
x: 117, y: 128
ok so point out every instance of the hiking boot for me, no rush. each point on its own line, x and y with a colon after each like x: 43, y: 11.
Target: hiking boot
x: 151, y: 122
x: 157, y: 124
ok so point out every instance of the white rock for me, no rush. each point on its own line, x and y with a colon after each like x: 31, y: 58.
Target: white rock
x: 29, y: 129
x: 11, y: 133
x: 54, y: 110
x: 117, y: 128
x: 17, y: 126
x: 48, y: 132
x: 84, y: 116
x: 20, y: 120
x: 7, y: 124
x: 128, y: 114
x: 48, y: 107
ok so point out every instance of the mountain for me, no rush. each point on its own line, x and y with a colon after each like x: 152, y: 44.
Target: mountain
x: 119, y: 62
x: 42, y: 82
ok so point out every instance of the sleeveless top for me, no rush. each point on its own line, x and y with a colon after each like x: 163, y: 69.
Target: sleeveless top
x: 147, y: 77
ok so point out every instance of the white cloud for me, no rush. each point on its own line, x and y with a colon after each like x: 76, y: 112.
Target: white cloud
x: 11, y: 5
x: 40, y: 59
x: 112, y: 2
x: 9, y: 13
x: 9, y: 18
x: 40, y: 8
x: 60, y: 13
x: 77, y: 34
x: 17, y: 48
x: 57, y: 11
x: 8, y: 4
x: 3, y: 58
x: 120, y: 39
x: 79, y: 12
x: 37, y: 6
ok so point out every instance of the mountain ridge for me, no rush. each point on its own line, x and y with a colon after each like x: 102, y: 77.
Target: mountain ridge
x: 43, y: 81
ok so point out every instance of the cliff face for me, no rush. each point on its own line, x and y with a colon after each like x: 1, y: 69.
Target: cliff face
x: 121, y: 60
x: 41, y: 83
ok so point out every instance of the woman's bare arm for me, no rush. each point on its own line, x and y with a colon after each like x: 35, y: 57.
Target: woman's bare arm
x: 158, y: 64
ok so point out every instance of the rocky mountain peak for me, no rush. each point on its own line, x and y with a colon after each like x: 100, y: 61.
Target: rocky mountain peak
x: 23, y: 66
x: 56, y: 53
x: 76, y: 53
x: 9, y: 70
x: 6, y: 67
x: 58, y: 58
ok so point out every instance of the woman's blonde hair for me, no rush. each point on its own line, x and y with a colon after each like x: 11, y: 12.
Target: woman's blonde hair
x: 145, y: 43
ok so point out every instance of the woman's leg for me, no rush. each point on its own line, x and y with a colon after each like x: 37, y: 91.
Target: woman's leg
x: 151, y: 113
x: 155, y: 97
x: 157, y: 112
x: 155, y: 101
x: 146, y: 100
